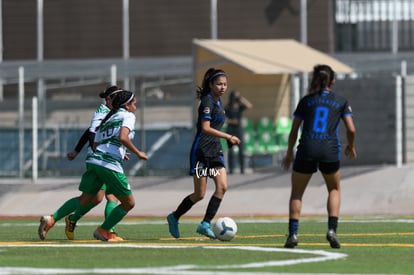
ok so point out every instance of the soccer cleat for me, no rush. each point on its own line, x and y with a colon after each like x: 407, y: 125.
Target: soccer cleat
x: 291, y: 241
x: 333, y: 239
x: 115, y: 236
x: 205, y: 229
x: 173, y: 226
x: 105, y: 235
x: 70, y: 228
x: 46, y: 223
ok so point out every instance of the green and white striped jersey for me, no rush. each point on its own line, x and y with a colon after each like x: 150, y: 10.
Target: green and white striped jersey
x: 109, y: 151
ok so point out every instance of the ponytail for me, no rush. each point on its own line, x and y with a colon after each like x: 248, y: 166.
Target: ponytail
x: 323, y: 75
x: 120, y: 99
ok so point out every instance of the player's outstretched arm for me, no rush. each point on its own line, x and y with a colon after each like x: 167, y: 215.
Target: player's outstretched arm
x: 86, y: 137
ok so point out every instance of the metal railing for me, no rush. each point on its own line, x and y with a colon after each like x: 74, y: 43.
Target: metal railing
x: 374, y: 25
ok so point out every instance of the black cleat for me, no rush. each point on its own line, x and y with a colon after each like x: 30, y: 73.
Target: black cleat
x: 333, y: 239
x: 291, y: 241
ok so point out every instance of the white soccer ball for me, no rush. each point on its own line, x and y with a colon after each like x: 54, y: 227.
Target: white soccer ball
x: 225, y: 229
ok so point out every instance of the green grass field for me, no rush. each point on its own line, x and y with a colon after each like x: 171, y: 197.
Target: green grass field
x: 374, y: 245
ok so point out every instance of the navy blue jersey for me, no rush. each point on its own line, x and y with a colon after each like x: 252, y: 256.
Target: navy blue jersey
x: 321, y: 113
x: 206, y: 147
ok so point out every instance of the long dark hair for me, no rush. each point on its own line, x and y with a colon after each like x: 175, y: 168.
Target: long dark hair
x: 209, y: 77
x: 120, y: 99
x: 322, y: 78
x: 109, y: 91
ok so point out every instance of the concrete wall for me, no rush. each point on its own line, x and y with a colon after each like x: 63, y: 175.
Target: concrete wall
x: 409, y: 118
x: 93, y: 28
x: 373, y: 102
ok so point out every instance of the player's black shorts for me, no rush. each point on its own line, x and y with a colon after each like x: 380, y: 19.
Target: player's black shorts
x: 206, y: 166
x: 311, y: 166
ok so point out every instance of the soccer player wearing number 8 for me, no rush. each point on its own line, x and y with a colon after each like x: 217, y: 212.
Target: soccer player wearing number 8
x: 319, y: 148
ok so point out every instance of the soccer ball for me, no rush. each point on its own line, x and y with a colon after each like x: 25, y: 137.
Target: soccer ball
x: 225, y: 229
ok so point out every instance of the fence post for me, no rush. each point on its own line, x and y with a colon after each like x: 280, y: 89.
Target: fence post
x: 21, y: 121
x: 34, y: 140
x: 398, y: 122
x: 113, y: 75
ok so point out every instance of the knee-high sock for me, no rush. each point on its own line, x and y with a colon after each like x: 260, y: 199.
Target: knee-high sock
x: 293, y: 226
x: 117, y: 214
x: 80, y: 211
x: 333, y: 223
x: 110, y: 205
x: 183, y: 207
x: 68, y: 207
x: 212, y: 209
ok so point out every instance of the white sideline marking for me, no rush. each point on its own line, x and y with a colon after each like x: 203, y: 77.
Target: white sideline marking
x: 241, y: 220
x: 320, y: 256
x: 53, y: 271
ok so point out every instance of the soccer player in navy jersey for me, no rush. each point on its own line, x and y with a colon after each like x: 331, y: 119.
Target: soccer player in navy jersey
x: 319, y: 113
x: 206, y: 156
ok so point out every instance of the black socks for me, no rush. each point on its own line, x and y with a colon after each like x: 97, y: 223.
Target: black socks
x: 212, y: 208
x: 184, y: 206
x: 332, y: 223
